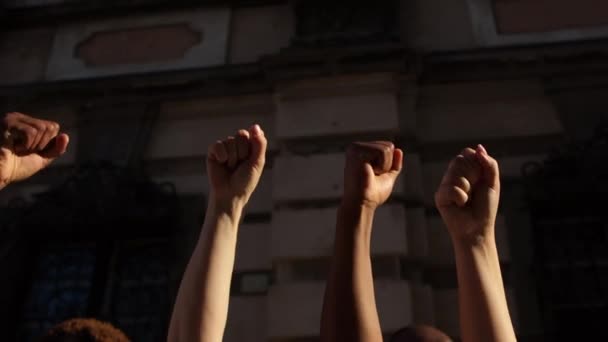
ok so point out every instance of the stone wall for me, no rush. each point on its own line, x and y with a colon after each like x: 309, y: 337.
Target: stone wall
x: 287, y: 234
x: 288, y: 228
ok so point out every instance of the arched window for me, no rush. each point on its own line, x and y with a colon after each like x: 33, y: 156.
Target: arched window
x: 566, y: 198
x: 99, y: 246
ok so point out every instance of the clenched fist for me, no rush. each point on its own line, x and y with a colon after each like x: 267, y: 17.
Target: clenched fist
x: 469, y: 194
x: 370, y: 172
x: 235, y: 165
x: 28, y: 145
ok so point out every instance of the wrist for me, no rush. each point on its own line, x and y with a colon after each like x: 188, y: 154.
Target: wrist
x: 358, y: 205
x: 232, y: 208
x: 475, y: 238
x: 358, y: 216
x: 357, y: 208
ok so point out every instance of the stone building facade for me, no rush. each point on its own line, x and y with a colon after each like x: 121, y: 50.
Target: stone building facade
x: 149, y: 84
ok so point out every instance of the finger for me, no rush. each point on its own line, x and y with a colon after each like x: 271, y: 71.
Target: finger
x: 40, y: 132
x: 233, y: 158
x: 218, y: 152
x: 258, y: 145
x: 57, y: 148
x: 449, y: 195
x: 379, y: 154
x: 459, y: 182
x: 242, y: 144
x: 470, y: 156
x: 462, y: 166
x: 40, y: 126
x: 397, y: 160
x: 22, y: 136
x: 386, y: 164
x: 49, y: 134
x: 490, y: 169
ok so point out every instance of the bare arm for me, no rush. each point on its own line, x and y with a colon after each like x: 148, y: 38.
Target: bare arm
x: 349, y: 309
x: 201, y: 307
x: 484, y: 315
x: 468, y: 202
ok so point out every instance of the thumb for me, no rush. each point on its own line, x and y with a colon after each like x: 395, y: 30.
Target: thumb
x: 57, y: 148
x: 257, y: 156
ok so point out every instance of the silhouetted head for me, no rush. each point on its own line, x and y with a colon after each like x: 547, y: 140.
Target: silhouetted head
x: 420, y: 333
x: 84, y: 330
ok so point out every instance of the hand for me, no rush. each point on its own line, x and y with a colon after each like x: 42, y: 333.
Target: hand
x: 469, y: 193
x: 370, y: 172
x: 28, y: 146
x: 235, y: 165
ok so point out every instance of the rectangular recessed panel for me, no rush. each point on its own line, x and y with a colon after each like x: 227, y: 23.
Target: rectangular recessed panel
x: 260, y: 31
x: 192, y: 137
x: 393, y: 300
x: 246, y: 320
x: 24, y: 55
x: 485, y: 110
x: 310, y: 233
x: 549, y: 15
x: 314, y: 177
x: 338, y: 115
x: 253, y: 248
x: 141, y: 44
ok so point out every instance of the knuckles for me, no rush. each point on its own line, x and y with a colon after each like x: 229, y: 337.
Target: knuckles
x: 378, y: 153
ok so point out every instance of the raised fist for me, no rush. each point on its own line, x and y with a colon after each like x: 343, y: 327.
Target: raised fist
x: 235, y: 165
x: 469, y: 194
x: 28, y: 145
x: 370, y: 172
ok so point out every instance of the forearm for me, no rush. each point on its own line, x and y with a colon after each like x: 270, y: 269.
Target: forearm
x: 201, y: 307
x: 484, y: 314
x: 349, y: 309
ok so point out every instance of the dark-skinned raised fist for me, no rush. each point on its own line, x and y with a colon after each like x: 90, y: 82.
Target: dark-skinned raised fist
x: 370, y: 173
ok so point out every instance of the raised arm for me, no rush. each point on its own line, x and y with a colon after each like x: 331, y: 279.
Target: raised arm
x: 349, y: 309
x: 28, y: 145
x: 234, y: 167
x: 468, y: 202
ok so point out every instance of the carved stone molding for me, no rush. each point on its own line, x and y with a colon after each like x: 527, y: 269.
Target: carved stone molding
x: 151, y: 44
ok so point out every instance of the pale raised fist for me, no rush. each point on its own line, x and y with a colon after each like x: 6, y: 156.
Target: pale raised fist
x: 235, y: 165
x: 468, y: 196
x: 28, y: 145
x: 370, y: 172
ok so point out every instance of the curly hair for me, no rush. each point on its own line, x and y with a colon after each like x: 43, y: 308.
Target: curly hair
x: 84, y: 330
x: 420, y: 333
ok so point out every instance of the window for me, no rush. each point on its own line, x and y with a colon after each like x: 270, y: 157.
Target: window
x: 103, y: 251
x: 61, y: 286
x: 140, y: 291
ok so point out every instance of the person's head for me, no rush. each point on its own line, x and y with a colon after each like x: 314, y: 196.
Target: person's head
x: 420, y: 333
x: 84, y: 330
